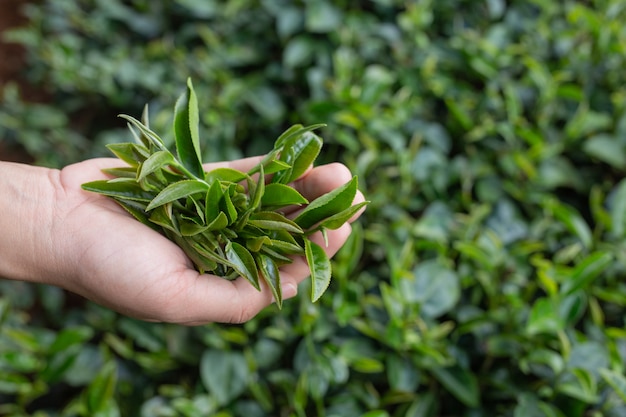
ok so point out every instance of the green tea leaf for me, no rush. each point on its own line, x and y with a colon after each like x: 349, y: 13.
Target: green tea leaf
x: 328, y: 205
x: 271, y: 275
x: 286, y: 247
x: 259, y: 190
x: 270, y: 220
x: 586, y: 271
x: 178, y: 190
x: 228, y: 207
x: 243, y: 262
x: 616, y: 380
x: 320, y: 267
x: 224, y: 374
x: 148, y: 137
x: 162, y: 216
x: 101, y: 389
x: 156, y: 161
x: 337, y: 220
x: 281, y: 195
x: 137, y: 209
x: 225, y: 174
x: 212, y: 203
x: 129, y: 189
x: 300, y: 152
x: 293, y: 131
x: 131, y: 153
x: 460, y: 382
x: 219, y: 223
x: 186, y: 133
x: 256, y: 243
x: 123, y: 172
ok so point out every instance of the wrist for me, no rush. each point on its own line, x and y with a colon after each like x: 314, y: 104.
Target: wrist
x: 26, y: 213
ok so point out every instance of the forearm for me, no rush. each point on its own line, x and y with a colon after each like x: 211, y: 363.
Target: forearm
x: 26, y: 206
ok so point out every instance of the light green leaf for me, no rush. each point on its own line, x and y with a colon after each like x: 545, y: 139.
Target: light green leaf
x: 586, y: 271
x: 131, y: 153
x: 148, y: 137
x: 156, y: 161
x: 320, y: 267
x: 225, y: 174
x: 281, y: 195
x: 187, y: 135
x: 180, y: 189
x: 270, y: 220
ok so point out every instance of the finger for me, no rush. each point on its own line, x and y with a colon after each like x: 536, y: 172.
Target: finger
x: 215, y: 299
x: 322, y: 179
x: 244, y: 164
x: 298, y: 271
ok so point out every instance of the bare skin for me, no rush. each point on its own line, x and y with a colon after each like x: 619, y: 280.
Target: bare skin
x: 54, y: 232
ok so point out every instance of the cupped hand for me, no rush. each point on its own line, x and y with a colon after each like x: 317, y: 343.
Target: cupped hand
x: 104, y: 254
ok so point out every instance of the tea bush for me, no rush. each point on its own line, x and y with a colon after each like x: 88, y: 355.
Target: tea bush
x: 486, y: 277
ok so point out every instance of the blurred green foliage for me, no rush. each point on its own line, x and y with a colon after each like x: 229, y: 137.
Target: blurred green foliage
x: 487, y: 275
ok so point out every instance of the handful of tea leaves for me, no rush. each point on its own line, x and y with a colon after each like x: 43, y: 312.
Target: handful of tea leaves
x: 228, y: 222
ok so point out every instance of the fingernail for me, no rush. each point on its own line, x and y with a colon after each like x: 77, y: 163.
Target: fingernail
x: 289, y: 290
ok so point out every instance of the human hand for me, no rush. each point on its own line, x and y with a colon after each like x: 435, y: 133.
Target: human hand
x: 105, y: 255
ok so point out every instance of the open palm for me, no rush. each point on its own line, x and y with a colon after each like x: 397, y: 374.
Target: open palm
x: 104, y: 254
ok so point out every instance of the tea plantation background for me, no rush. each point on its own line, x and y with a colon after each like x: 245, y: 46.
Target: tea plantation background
x: 486, y: 278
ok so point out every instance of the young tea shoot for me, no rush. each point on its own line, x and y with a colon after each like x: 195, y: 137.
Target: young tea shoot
x: 229, y: 223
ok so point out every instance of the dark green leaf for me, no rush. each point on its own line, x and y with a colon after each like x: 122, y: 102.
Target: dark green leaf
x: 460, y: 382
x: 212, y: 203
x: 101, y: 389
x: 328, y: 204
x: 186, y: 121
x: 299, y: 152
x: 271, y: 275
x: 128, y: 189
x: 586, y: 271
x: 177, y: 190
x: 337, y: 220
x: 574, y: 222
x: 224, y: 374
x: 319, y: 265
x: 137, y: 209
x: 259, y: 190
x: 244, y: 263
x: 616, y: 380
x: 228, y: 207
